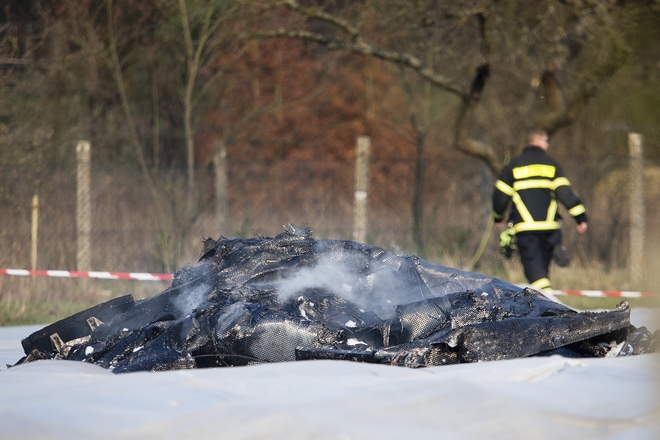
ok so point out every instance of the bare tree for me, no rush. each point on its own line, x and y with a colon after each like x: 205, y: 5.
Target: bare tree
x: 564, y: 49
x: 200, y: 43
x: 582, y: 20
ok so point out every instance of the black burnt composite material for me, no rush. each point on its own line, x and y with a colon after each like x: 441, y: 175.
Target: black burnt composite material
x: 293, y: 297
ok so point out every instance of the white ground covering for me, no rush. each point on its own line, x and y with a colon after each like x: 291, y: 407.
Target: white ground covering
x: 528, y: 398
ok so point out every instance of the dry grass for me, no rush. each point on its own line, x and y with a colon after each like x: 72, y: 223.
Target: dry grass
x: 130, y: 234
x: 41, y: 300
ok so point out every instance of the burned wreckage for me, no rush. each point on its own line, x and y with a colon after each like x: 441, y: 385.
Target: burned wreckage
x: 293, y: 297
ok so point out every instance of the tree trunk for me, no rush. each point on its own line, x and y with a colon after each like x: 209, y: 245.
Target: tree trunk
x: 221, y: 192
x: 418, y: 192
x: 190, y: 145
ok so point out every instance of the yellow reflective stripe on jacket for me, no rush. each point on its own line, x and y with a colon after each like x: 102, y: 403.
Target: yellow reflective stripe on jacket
x: 522, y: 209
x: 528, y: 223
x: 536, y: 170
x: 577, y: 210
x: 506, y: 189
x: 541, y: 183
x: 532, y: 184
x: 536, y: 226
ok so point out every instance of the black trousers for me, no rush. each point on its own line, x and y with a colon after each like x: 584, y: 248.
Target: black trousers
x: 536, y: 249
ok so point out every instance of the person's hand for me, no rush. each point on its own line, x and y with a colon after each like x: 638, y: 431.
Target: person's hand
x: 582, y: 228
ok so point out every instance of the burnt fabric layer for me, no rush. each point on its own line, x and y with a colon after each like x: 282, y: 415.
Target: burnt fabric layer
x: 292, y: 297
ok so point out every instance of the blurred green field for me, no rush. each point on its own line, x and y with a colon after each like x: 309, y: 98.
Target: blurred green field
x: 27, y: 313
x: 42, y: 300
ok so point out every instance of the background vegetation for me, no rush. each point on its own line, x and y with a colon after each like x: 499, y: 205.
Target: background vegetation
x: 278, y: 92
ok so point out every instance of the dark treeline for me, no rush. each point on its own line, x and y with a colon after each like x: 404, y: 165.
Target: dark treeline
x: 177, y: 97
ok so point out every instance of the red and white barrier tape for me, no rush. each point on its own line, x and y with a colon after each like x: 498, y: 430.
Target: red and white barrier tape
x: 605, y: 294
x: 168, y: 277
x: 104, y: 275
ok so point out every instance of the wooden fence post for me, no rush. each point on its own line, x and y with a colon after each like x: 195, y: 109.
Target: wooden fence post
x: 83, y: 207
x: 221, y: 197
x: 361, y: 189
x: 637, y: 211
x: 35, y: 229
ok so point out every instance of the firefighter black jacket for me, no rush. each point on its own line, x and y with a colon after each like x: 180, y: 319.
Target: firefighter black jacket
x: 534, y: 182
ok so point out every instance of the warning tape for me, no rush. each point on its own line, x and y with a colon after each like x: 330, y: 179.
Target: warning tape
x: 605, y: 294
x: 168, y: 277
x: 74, y: 274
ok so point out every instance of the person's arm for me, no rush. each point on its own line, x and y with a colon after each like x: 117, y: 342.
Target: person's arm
x: 572, y: 202
x: 502, y: 195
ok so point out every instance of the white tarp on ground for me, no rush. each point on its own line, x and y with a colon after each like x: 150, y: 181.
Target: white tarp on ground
x: 528, y: 398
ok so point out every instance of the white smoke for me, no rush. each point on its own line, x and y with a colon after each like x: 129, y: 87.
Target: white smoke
x: 192, y: 298
x: 335, y: 276
x: 341, y: 276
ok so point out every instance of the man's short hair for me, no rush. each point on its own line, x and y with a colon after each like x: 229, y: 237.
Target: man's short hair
x: 532, y: 132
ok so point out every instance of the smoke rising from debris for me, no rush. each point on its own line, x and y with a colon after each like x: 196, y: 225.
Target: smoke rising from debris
x: 192, y: 298
x: 334, y: 276
x: 378, y: 290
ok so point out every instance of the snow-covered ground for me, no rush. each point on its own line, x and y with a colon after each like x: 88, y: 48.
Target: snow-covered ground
x: 528, y: 398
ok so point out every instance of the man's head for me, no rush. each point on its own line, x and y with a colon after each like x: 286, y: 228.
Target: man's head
x: 538, y: 137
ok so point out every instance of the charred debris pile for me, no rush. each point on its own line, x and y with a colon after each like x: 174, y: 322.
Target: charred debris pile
x: 292, y: 297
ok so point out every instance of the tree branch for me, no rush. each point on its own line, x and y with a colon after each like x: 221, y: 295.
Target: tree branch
x: 130, y: 120
x: 462, y: 142
x: 469, y: 146
x: 22, y: 62
x: 317, y: 14
x: 362, y: 48
x: 560, y: 112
